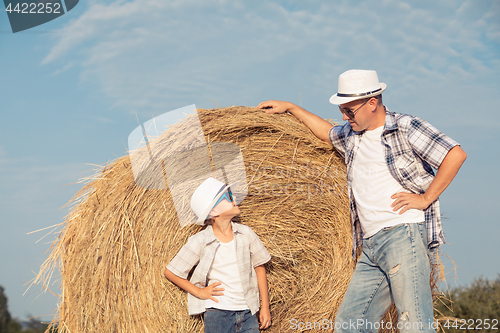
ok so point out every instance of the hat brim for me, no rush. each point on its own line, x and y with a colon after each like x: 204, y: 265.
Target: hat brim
x: 336, y: 100
x: 203, y: 217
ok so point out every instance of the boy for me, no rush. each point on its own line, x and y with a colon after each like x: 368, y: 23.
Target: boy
x: 230, y: 257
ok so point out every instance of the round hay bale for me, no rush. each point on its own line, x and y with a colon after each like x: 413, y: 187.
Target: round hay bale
x: 119, y: 236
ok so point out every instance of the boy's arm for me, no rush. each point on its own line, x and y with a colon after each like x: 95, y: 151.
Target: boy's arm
x: 316, y: 124
x: 202, y: 293
x: 265, y: 314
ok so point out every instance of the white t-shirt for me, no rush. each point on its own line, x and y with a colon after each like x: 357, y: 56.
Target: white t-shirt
x: 225, y: 269
x: 373, y: 186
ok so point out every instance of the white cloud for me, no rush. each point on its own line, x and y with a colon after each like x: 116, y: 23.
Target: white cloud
x: 63, y: 69
x: 152, y: 55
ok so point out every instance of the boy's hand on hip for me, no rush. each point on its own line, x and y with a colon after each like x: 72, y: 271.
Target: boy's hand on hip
x: 405, y: 201
x: 210, y: 291
x: 265, y: 318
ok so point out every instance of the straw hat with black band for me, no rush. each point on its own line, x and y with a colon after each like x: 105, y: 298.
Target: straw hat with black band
x: 357, y: 84
x: 205, y: 197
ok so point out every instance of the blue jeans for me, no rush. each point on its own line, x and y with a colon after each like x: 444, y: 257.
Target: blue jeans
x: 226, y: 321
x: 394, y: 266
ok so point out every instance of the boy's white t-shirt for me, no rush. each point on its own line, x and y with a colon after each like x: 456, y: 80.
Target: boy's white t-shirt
x: 373, y: 186
x: 225, y: 269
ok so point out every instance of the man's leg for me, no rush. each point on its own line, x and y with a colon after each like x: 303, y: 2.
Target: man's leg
x: 366, y: 300
x: 401, y: 252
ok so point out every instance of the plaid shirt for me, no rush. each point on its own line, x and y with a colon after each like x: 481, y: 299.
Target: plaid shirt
x: 200, y: 250
x: 412, y: 148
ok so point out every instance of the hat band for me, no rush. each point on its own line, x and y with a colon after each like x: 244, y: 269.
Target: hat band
x: 220, y: 190
x: 358, y: 95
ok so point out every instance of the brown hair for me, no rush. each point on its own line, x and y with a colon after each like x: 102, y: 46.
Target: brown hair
x: 209, y: 221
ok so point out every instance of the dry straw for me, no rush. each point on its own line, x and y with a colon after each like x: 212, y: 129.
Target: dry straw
x: 119, y: 237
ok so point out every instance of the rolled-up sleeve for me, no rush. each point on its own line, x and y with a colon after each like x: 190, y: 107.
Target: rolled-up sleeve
x: 337, y: 136
x: 258, y: 251
x: 186, y: 259
x: 428, y: 142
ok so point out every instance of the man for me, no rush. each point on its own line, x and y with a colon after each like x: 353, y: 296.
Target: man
x: 393, y: 196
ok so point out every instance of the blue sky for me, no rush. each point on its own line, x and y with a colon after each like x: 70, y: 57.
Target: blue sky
x: 70, y: 91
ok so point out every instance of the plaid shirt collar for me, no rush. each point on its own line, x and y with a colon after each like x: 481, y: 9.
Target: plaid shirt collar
x: 390, y: 121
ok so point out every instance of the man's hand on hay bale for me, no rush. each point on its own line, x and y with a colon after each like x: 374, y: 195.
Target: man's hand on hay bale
x: 319, y: 126
x: 276, y: 106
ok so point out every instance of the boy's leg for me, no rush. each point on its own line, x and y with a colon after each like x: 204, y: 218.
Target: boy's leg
x: 403, y: 255
x: 246, y: 322
x: 219, y: 321
x: 366, y: 300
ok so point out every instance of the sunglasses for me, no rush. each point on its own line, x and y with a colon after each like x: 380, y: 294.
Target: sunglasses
x: 350, y: 113
x: 228, y: 195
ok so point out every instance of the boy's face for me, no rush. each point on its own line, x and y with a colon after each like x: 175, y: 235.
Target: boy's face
x: 225, y: 208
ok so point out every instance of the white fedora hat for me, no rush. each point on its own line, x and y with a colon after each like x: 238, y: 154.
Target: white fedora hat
x: 357, y: 84
x: 205, y: 197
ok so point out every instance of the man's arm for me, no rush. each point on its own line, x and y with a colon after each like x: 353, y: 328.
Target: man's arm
x: 264, y: 313
x: 445, y: 174
x: 317, y: 125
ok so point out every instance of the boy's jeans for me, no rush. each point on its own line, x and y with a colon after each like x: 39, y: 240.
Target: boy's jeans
x: 394, y: 266
x: 226, y: 321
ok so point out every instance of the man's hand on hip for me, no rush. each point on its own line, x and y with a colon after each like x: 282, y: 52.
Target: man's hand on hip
x: 405, y: 201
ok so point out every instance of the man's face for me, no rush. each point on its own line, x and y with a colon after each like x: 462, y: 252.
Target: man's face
x: 363, y: 109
